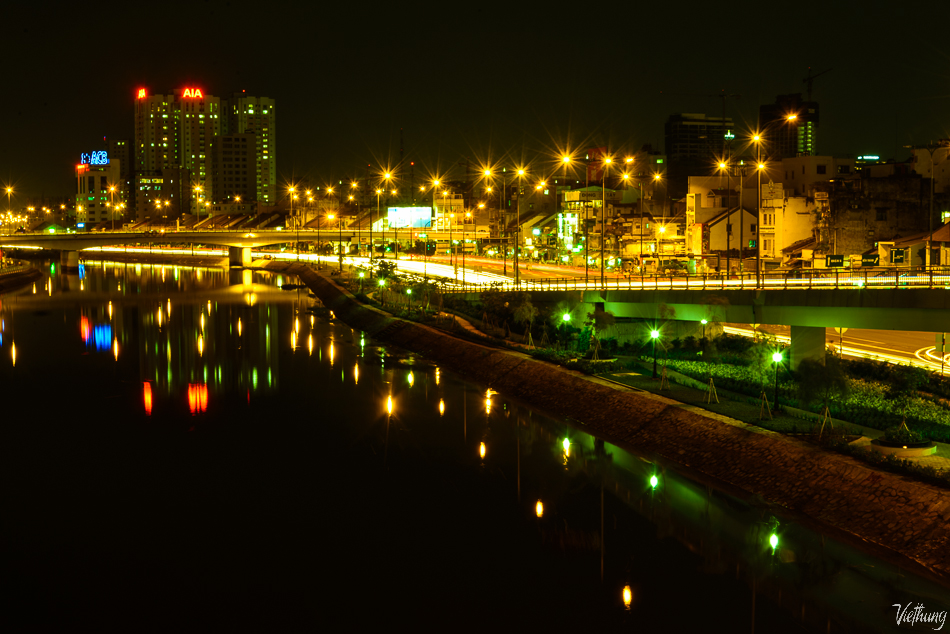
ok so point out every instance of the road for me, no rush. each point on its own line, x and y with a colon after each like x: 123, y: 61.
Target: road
x: 893, y: 346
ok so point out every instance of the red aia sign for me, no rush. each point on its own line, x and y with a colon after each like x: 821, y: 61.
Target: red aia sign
x: 193, y: 93
x: 141, y: 94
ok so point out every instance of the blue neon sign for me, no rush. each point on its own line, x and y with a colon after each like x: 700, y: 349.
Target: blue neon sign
x: 99, y: 157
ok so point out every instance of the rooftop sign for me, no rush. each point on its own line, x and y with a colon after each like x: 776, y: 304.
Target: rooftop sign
x: 192, y: 93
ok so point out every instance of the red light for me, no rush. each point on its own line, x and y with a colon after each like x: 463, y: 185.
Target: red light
x: 147, y: 397
x: 194, y: 93
x: 85, y: 329
x: 141, y: 93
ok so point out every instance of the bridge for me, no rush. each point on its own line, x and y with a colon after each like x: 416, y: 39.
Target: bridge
x: 809, y: 302
x: 239, y: 243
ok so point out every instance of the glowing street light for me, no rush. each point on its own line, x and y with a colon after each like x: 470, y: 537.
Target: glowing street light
x: 539, y: 509
x: 654, y: 334
x: 627, y: 597
x: 777, y: 360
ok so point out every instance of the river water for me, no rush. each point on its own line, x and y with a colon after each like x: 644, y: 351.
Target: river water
x: 194, y: 449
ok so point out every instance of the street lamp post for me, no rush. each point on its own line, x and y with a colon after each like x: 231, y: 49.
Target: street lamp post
x: 198, y: 189
x: 723, y: 166
x: 468, y: 215
x: 452, y: 246
x: 386, y: 178
x: 704, y: 322
x: 654, y: 334
x: 776, y: 359
x: 521, y: 175
x: 603, y: 221
x: 112, y: 204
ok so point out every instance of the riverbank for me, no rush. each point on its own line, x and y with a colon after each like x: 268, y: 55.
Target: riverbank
x: 894, y: 515
x: 18, y: 278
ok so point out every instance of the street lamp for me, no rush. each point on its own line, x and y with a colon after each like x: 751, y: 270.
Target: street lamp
x: 387, y: 176
x: 521, y: 174
x: 603, y: 222
x: 654, y: 334
x: 704, y: 322
x: 468, y: 215
x: 112, y: 204
x: 777, y: 360
x: 724, y: 167
x: 371, y: 240
x: 452, y: 245
x: 198, y: 190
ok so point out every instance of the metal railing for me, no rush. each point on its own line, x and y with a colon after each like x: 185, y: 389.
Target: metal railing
x: 860, y: 278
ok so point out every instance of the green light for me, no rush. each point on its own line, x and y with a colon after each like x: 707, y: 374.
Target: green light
x: 361, y: 273
x: 566, y: 316
x: 777, y: 357
x: 566, y: 444
x: 654, y: 481
x: 382, y: 282
x: 536, y: 232
x: 408, y: 291
x: 704, y: 322
x: 655, y: 334
x: 773, y: 541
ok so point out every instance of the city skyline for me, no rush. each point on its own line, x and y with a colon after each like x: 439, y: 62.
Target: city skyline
x: 527, y: 83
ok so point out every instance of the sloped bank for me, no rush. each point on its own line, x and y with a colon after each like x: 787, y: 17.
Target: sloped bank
x: 891, y: 513
x: 12, y: 281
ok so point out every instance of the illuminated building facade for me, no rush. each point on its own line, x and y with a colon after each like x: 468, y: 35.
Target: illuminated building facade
x: 175, y: 132
x: 244, y: 114
x: 96, y: 173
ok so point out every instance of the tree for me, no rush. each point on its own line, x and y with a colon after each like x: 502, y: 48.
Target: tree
x: 525, y: 313
x: 599, y: 321
x: 903, y: 387
x: 822, y: 383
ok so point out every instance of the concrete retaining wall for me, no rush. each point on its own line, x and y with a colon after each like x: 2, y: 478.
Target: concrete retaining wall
x: 900, y: 515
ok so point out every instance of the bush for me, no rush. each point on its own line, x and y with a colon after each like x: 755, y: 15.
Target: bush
x: 902, y: 435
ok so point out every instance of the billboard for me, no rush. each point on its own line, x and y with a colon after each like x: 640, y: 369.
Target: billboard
x: 408, y: 217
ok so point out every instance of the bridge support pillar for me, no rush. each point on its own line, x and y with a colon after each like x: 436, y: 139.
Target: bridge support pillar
x: 239, y: 256
x: 69, y: 260
x: 807, y: 342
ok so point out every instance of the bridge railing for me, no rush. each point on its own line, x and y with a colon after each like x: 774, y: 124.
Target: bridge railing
x: 832, y: 278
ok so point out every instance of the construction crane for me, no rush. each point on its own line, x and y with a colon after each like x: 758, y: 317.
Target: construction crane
x: 808, y: 80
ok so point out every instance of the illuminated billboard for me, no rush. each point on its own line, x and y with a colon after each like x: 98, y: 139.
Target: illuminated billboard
x: 409, y: 217
x: 100, y: 157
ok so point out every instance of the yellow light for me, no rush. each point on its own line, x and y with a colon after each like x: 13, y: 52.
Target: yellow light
x: 437, y: 376
x: 311, y: 321
x: 481, y: 449
x: 356, y: 374
x: 722, y: 166
x: 539, y: 509
x: 792, y: 117
x: 520, y: 172
x: 412, y: 379
x: 201, y: 345
x: 626, y: 176
x: 159, y: 316
x: 293, y: 341
x: 387, y: 175
x: 656, y: 177
x: 628, y: 160
x: 441, y: 407
x: 487, y: 172
x: 115, y: 348
x: 296, y: 324
x: 565, y: 159
x: 239, y: 326
x: 488, y: 405
x: 435, y: 183
x: 331, y: 353
x: 13, y: 352
x: 608, y: 160
x: 310, y: 344
x: 389, y: 404
x: 756, y: 137
x: 761, y: 166
x: 627, y: 596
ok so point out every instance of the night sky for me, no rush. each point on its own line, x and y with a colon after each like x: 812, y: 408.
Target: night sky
x: 466, y: 81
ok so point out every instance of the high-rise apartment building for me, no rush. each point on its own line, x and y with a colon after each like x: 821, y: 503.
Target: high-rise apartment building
x: 234, y: 169
x: 789, y: 127
x: 174, y: 132
x: 694, y: 144
x: 244, y: 114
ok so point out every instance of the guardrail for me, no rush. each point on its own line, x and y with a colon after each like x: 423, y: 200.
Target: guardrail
x: 864, y: 278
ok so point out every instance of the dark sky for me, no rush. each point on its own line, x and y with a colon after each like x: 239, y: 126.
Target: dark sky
x: 466, y: 81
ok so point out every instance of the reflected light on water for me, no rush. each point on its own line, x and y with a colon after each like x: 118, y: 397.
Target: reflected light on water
x: 441, y: 407
x: 110, y: 310
x: 115, y: 348
x: 159, y: 316
x: 169, y: 301
x: 197, y: 397
x: 209, y: 306
x: 13, y: 353
x: 311, y: 321
x: 201, y: 346
x: 34, y: 288
x: 627, y: 596
x: 481, y: 449
x: 147, y: 397
x: 539, y: 509
x: 293, y: 340
x: 389, y: 404
x: 437, y: 377
x: 202, y: 322
x: 296, y: 324
x: 239, y: 326
x: 356, y: 374
x: 310, y: 344
x: 412, y: 379
x: 331, y: 353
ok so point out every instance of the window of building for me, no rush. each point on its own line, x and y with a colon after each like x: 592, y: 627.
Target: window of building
x: 752, y: 228
x: 822, y: 169
x: 881, y: 215
x: 844, y: 169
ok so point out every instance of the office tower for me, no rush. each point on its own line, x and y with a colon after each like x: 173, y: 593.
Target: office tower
x: 695, y: 143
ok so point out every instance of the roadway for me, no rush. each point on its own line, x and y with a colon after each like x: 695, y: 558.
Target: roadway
x: 893, y: 346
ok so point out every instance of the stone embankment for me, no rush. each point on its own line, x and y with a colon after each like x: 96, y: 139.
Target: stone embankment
x: 894, y: 516
x: 12, y: 281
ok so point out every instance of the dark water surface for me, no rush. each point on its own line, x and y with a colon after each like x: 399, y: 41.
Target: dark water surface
x: 207, y: 456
